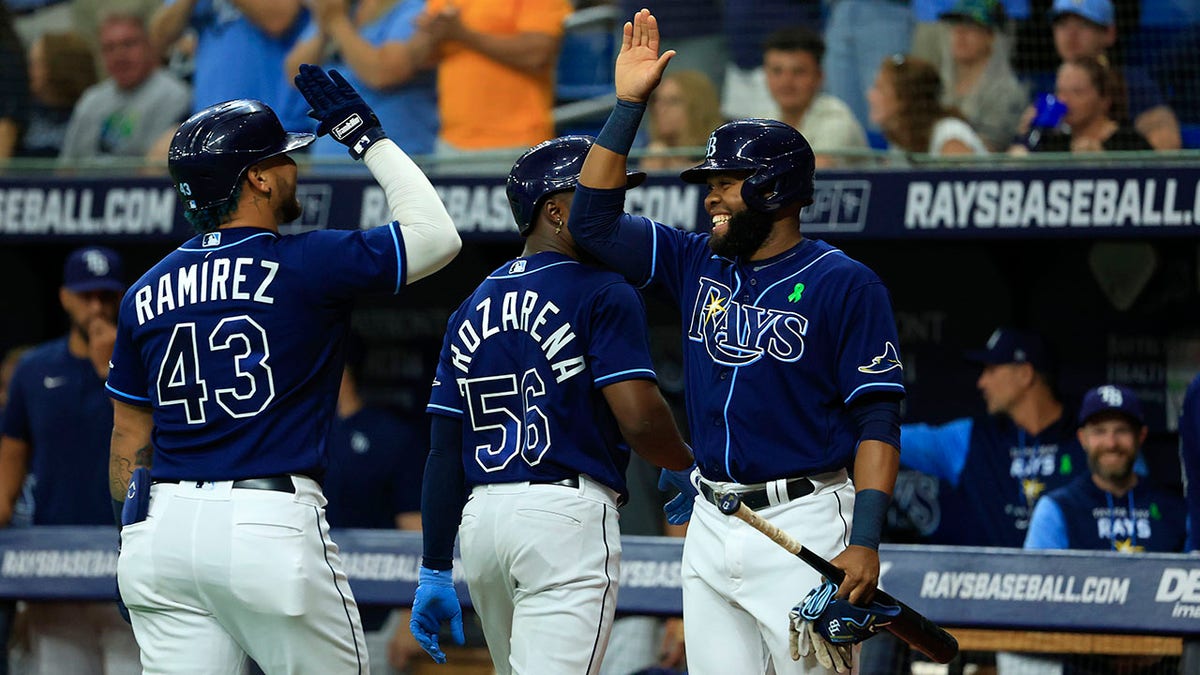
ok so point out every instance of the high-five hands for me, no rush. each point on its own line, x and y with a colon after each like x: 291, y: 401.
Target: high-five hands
x: 639, y: 66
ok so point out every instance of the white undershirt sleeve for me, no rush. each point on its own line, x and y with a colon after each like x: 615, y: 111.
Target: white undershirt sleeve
x: 430, y: 238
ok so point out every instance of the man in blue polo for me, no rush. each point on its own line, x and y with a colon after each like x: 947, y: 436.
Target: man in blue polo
x: 54, y: 464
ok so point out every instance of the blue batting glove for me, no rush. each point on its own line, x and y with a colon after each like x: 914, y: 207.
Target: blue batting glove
x: 340, y: 109
x: 679, y: 509
x: 435, y: 601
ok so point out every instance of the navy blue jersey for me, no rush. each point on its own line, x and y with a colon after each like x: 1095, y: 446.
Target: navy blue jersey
x: 992, y: 473
x: 1189, y: 450
x: 523, y: 363
x: 775, y: 350
x: 1080, y: 515
x: 235, y: 339
x: 375, y: 464
x: 58, y: 406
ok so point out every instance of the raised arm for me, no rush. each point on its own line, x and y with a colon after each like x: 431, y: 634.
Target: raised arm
x: 169, y: 22
x: 639, y: 69
x: 430, y: 238
x: 274, y: 17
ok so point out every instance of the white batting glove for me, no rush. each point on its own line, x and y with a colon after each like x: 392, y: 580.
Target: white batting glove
x: 803, y: 639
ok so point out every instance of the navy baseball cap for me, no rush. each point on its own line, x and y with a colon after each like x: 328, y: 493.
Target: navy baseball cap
x: 1111, y: 398
x: 94, y: 268
x: 1010, y: 345
x: 1099, y: 12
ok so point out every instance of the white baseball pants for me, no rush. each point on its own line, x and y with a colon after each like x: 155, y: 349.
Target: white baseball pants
x: 216, y: 573
x: 543, y: 565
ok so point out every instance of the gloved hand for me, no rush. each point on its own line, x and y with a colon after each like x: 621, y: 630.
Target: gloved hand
x: 342, y: 113
x: 687, y: 481
x: 435, y: 601
x: 828, y: 627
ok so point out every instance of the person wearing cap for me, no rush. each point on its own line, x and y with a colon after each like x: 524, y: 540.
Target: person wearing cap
x: 1110, y: 509
x: 1087, y: 29
x: 978, y: 77
x: 54, y: 464
x: 993, y: 468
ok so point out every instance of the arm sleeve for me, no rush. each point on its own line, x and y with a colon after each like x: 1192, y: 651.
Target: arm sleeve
x: 443, y: 493
x: 622, y: 244
x: 937, y: 450
x: 878, y: 419
x: 1047, y: 527
x: 430, y: 239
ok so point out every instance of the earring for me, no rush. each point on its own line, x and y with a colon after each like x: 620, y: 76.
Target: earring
x: 558, y: 225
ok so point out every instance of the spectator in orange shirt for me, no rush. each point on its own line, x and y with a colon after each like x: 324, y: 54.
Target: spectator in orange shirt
x: 495, y: 65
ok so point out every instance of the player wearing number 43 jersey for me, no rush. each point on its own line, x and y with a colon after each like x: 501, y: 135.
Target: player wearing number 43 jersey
x: 793, y: 373
x: 225, y: 375
x: 544, y: 376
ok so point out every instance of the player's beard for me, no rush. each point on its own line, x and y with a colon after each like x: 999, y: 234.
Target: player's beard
x: 289, y: 210
x: 745, y: 233
x: 1118, y: 475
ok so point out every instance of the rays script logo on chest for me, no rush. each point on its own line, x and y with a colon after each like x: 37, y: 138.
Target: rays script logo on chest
x: 737, y: 334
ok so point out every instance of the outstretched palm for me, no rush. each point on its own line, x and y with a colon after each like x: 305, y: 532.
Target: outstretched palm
x: 639, y: 66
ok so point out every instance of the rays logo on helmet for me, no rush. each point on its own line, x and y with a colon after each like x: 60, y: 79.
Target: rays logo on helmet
x: 347, y: 126
x: 886, y: 361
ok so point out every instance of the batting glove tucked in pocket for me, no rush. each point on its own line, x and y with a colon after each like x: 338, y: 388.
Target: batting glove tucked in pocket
x: 829, y: 627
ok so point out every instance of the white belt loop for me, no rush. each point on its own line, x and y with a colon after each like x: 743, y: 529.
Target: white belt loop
x: 777, y: 492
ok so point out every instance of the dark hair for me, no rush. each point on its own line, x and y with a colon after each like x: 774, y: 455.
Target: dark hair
x: 796, y: 38
x: 213, y: 217
x: 919, y: 91
x: 1108, y: 83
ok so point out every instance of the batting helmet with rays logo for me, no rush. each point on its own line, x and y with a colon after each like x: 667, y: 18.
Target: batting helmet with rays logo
x: 212, y: 150
x: 779, y: 159
x: 549, y: 167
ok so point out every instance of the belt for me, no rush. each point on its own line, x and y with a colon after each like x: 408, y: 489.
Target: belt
x: 272, y: 483
x: 759, y: 499
x: 572, y: 482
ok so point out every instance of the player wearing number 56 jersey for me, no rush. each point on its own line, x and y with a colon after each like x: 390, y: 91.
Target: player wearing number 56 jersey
x: 225, y: 375
x: 793, y: 374
x: 544, y: 378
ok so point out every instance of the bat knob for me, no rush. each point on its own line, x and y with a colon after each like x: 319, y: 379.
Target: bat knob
x: 729, y: 503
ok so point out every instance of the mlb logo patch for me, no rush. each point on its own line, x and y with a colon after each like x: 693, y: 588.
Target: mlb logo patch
x: 517, y: 267
x: 211, y: 239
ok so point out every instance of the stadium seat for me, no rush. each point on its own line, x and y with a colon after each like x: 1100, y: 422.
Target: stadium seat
x: 589, y: 47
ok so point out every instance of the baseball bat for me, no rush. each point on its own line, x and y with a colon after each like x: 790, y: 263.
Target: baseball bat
x: 910, y: 626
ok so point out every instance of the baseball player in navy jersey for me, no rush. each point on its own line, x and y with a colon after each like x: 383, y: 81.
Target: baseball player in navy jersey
x: 225, y: 377
x: 1110, y: 508
x: 543, y: 386
x: 792, y: 372
x: 53, y: 461
x: 994, y: 467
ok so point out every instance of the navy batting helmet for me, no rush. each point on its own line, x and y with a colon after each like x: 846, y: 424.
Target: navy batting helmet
x: 779, y: 158
x: 549, y: 167
x: 213, y: 148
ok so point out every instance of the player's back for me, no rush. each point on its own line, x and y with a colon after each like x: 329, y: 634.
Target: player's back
x: 523, y: 363
x: 235, y: 339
